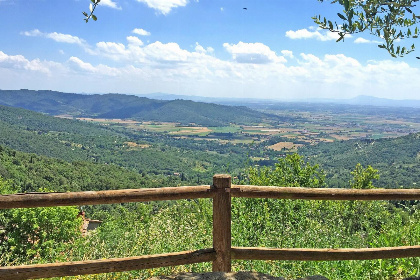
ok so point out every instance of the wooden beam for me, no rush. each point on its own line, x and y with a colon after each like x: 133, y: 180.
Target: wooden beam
x: 324, y: 193
x: 247, y: 253
x: 105, y: 266
x: 222, y: 222
x: 28, y: 200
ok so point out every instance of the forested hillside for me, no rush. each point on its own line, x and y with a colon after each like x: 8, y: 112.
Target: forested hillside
x: 195, y: 161
x: 39, y: 152
x: 146, y: 153
x: 397, y: 159
x: 30, y: 173
x: 130, y: 106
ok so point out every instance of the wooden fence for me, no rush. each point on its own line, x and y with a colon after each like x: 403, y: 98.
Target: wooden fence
x: 222, y: 252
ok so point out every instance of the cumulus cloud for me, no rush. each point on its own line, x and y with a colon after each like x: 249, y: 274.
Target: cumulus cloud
x: 141, y: 32
x: 287, y: 53
x: 20, y: 62
x: 110, y: 3
x: 58, y: 37
x: 361, y: 40
x: 256, y: 53
x: 200, y: 49
x: 164, y: 6
x: 115, y: 51
x: 313, y: 34
x: 77, y: 64
x: 134, y: 41
x: 170, y: 52
x: 254, y: 69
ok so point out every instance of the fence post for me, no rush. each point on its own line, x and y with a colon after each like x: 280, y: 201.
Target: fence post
x: 222, y: 222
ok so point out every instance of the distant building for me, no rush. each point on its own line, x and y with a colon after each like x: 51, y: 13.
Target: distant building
x: 88, y: 224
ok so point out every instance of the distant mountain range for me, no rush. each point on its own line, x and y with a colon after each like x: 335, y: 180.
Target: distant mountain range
x: 366, y: 100
x: 123, y: 106
x: 362, y: 100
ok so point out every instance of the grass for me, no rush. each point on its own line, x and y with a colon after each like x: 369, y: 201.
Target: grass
x: 187, y: 225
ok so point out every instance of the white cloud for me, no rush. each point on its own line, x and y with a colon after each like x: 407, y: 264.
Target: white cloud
x: 65, y: 38
x: 110, y: 3
x: 141, y: 32
x: 287, y: 53
x: 315, y: 34
x: 20, y: 62
x: 58, y: 37
x: 361, y: 40
x: 255, y: 53
x: 78, y: 65
x: 164, y: 6
x: 134, y: 41
x: 170, y: 52
x: 115, y: 51
x: 254, y: 70
x: 200, y: 49
x: 32, y: 33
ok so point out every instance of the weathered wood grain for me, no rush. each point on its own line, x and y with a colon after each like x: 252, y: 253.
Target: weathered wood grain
x: 324, y: 193
x: 28, y: 200
x: 222, y: 223
x: 300, y: 254
x: 105, y: 266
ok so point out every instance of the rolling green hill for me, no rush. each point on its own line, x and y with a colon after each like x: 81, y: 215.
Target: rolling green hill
x: 149, y: 153
x: 397, y: 159
x: 129, y: 106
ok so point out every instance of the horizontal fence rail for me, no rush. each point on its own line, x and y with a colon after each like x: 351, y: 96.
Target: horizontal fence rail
x: 308, y: 254
x: 105, y: 266
x: 29, y: 200
x: 221, y: 191
x: 324, y: 193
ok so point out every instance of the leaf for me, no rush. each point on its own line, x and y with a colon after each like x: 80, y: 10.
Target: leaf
x: 94, y: 17
x: 346, y: 5
x: 341, y: 16
x: 382, y: 46
x: 85, y: 14
x: 91, y: 7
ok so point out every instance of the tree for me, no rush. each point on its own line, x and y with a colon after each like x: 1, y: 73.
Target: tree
x: 362, y: 178
x: 391, y: 21
x: 35, y: 232
x: 291, y: 171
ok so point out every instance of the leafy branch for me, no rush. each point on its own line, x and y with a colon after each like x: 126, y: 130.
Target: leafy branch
x: 391, y: 21
x: 92, y: 8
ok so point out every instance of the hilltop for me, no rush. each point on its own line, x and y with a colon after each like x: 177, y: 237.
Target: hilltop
x: 123, y: 106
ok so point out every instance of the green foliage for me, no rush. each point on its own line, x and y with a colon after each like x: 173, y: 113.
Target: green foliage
x: 290, y: 171
x: 362, y: 178
x: 92, y: 8
x: 32, y: 233
x: 390, y: 21
x: 323, y: 224
x: 396, y: 158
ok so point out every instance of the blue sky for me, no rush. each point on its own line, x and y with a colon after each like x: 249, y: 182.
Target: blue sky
x: 195, y: 47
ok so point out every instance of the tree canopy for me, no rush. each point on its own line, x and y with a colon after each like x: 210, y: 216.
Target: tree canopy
x: 391, y: 21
